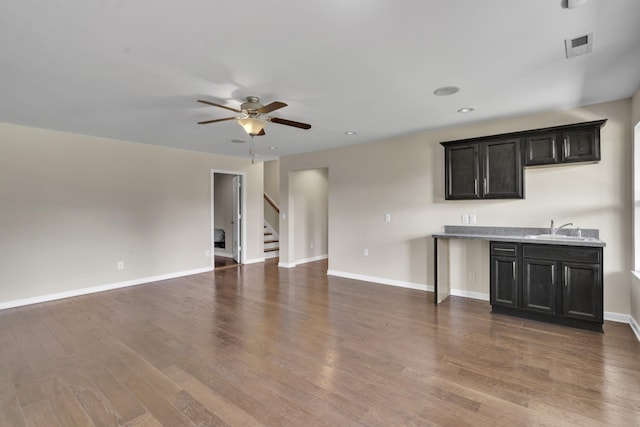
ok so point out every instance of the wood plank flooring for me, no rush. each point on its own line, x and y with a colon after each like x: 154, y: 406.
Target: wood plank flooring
x: 259, y: 345
x: 224, y: 262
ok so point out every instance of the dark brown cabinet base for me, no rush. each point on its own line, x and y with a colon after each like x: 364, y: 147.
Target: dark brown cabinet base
x: 549, y: 283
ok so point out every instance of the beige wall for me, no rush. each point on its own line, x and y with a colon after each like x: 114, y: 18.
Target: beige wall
x: 635, y: 281
x: 310, y: 213
x: 405, y: 177
x: 72, y: 206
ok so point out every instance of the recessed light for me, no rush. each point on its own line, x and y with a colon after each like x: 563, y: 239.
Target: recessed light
x: 446, y: 90
x: 350, y: 132
x: 466, y: 110
x: 273, y: 148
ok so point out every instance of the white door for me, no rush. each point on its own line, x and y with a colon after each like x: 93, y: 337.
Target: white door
x: 237, y: 218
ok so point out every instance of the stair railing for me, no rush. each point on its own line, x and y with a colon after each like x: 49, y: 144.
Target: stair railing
x: 271, y: 213
x: 271, y: 202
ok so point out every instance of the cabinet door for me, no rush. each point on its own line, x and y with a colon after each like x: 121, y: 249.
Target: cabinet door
x: 541, y: 150
x: 582, y: 291
x: 504, y: 283
x: 502, y: 170
x: 539, y: 290
x: 462, y: 171
x: 581, y: 145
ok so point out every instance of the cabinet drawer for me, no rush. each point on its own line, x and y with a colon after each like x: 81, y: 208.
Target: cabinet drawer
x: 566, y: 253
x: 504, y: 249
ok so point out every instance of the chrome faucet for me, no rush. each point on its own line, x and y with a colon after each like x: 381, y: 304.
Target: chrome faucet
x: 554, y: 230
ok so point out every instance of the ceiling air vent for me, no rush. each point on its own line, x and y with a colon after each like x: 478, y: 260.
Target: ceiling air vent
x: 579, y: 46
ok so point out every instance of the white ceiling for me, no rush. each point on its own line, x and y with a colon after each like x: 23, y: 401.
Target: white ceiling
x: 133, y: 69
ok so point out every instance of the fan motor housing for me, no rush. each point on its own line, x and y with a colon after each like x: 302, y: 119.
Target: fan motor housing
x: 252, y: 104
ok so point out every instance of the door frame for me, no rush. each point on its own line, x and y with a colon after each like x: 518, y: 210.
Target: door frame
x: 243, y: 213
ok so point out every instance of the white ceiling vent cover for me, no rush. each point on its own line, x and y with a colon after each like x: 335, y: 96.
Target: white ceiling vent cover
x: 580, y: 45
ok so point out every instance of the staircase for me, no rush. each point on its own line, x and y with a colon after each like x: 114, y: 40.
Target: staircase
x: 271, y: 242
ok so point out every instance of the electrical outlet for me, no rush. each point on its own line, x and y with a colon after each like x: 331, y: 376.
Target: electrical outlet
x: 465, y: 219
x: 120, y: 265
x: 387, y: 217
x: 207, y: 253
x: 365, y: 252
x: 472, y: 219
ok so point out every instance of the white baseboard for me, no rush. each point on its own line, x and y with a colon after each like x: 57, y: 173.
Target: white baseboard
x: 470, y: 294
x: 286, y: 264
x: 254, y: 260
x: 616, y: 317
x: 311, y: 259
x: 381, y: 280
x: 635, y: 327
x: 302, y: 261
x: 101, y: 288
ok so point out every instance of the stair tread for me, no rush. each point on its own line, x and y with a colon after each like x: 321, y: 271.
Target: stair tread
x: 271, y: 249
x: 272, y: 241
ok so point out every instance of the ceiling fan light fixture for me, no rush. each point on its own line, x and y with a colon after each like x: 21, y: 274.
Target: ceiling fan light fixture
x: 252, y: 125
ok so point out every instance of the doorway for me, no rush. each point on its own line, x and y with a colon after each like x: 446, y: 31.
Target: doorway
x: 309, y: 215
x: 227, y: 218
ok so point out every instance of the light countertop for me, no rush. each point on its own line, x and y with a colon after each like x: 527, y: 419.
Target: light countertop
x: 590, y: 237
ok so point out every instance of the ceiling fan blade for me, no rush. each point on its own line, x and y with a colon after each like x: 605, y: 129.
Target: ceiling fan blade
x: 289, y: 123
x: 219, y: 105
x: 271, y: 107
x: 217, y: 120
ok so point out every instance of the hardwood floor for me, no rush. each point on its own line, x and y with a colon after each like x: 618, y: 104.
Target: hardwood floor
x: 258, y: 345
x: 224, y: 262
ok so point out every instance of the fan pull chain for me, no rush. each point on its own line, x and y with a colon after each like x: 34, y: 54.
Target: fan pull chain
x: 251, y: 150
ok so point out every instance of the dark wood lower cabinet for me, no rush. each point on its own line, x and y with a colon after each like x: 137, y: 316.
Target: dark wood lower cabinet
x: 539, y: 285
x: 553, y: 283
x: 504, y: 281
x: 582, y: 291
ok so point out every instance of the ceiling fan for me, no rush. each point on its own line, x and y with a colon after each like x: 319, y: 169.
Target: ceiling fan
x: 253, y: 119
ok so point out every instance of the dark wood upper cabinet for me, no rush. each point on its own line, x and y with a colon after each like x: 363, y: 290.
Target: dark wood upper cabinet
x: 581, y: 145
x: 487, y: 170
x: 502, y: 170
x: 564, y: 144
x: 463, y: 171
x: 541, y: 149
x: 492, y: 167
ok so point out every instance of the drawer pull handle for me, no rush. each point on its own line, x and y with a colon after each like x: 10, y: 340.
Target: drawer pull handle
x: 504, y: 249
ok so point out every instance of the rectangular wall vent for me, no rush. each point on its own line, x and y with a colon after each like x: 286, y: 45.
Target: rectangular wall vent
x: 580, y: 45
